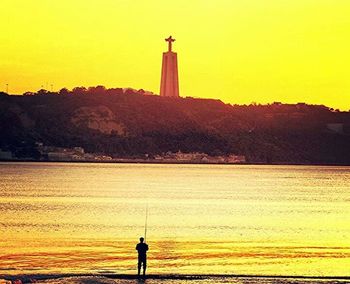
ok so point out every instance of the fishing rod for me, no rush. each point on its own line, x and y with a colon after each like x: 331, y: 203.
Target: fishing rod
x: 146, y: 222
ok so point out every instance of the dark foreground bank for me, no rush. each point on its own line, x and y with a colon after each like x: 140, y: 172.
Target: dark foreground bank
x: 176, y: 279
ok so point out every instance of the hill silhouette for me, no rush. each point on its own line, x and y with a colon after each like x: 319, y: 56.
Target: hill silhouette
x: 129, y: 123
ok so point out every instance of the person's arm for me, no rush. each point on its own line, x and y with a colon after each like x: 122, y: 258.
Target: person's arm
x: 146, y: 247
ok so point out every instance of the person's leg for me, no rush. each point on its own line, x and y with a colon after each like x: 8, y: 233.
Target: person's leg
x: 139, y: 267
x: 144, y: 266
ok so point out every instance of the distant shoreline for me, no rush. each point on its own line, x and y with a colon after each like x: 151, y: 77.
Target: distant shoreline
x: 137, y: 161
x: 103, y: 126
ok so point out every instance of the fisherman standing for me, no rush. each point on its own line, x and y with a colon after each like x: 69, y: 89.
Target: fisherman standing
x: 142, y: 249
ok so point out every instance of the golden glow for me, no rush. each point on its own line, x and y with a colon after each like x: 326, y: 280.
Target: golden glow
x: 241, y: 219
x: 238, y: 51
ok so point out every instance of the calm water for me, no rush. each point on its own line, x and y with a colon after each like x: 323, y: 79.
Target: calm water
x: 266, y: 220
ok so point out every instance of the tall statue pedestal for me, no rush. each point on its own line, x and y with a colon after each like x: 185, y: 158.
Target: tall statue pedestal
x: 169, y: 85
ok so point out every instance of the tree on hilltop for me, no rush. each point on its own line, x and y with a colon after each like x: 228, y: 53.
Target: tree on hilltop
x: 79, y: 91
x: 64, y: 92
x: 98, y: 90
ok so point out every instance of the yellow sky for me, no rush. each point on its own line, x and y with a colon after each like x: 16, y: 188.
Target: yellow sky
x: 239, y: 51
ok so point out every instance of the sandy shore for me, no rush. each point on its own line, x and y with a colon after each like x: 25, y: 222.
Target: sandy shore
x: 173, y: 279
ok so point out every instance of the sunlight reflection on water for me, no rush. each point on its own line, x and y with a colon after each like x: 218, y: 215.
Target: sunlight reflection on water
x: 276, y: 220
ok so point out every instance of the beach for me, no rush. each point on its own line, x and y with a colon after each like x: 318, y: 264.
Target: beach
x: 172, y: 279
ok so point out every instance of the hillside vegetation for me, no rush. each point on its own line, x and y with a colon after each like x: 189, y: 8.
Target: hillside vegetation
x: 131, y: 124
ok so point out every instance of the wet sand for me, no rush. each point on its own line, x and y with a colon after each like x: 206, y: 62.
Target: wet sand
x: 173, y: 279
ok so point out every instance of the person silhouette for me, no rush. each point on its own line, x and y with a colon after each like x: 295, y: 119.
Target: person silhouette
x: 142, y: 249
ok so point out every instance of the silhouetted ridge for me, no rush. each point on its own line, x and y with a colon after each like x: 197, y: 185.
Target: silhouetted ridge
x: 127, y: 123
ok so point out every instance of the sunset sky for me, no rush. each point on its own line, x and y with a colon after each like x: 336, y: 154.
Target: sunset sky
x: 237, y: 51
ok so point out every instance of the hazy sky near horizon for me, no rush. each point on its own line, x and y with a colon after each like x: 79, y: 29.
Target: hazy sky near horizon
x: 237, y: 51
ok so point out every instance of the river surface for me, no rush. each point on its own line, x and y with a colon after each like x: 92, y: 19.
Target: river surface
x: 202, y: 219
